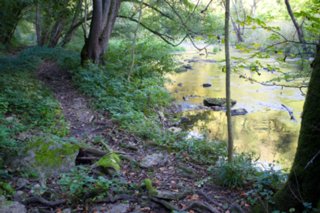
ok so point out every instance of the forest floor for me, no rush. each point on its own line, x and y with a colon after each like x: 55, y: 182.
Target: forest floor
x: 179, y: 183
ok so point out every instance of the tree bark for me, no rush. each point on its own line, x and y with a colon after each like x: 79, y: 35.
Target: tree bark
x: 38, y: 23
x: 11, y: 15
x: 103, y: 19
x: 228, y: 92
x: 303, y: 185
x: 237, y: 30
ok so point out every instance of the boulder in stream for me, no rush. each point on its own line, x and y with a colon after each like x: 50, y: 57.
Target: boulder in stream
x: 206, y: 85
x: 220, y: 102
x: 240, y: 111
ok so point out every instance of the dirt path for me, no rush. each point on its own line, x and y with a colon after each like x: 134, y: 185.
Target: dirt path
x: 76, y: 107
x: 171, y: 175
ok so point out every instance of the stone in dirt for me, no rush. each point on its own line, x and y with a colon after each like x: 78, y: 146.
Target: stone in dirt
x: 156, y: 159
x: 240, y: 111
x: 113, y: 208
x: 206, y: 85
x: 175, y: 129
x: 11, y: 206
x: 47, y: 156
x: 221, y: 102
x: 120, y: 208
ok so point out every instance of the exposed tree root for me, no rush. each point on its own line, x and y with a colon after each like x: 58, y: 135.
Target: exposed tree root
x: 166, y: 204
x: 91, y: 154
x: 201, y: 206
x: 200, y: 192
x: 41, y: 200
x: 113, y: 199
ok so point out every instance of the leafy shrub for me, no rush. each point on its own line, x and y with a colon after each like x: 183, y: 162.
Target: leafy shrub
x: 265, y: 184
x: 235, y: 174
x: 132, y: 98
x: 201, y: 151
x: 80, y: 184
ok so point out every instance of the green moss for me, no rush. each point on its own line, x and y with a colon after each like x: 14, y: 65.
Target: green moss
x: 51, y: 151
x: 111, y: 160
x: 148, y: 184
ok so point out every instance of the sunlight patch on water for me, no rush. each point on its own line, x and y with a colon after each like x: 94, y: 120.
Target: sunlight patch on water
x: 266, y: 130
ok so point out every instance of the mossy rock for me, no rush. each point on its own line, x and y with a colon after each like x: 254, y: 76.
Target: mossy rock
x: 111, y: 160
x: 221, y: 102
x: 48, y: 154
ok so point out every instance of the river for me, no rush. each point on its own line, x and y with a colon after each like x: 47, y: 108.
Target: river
x: 266, y: 130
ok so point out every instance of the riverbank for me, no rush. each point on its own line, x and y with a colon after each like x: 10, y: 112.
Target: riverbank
x: 267, y: 129
x: 99, y: 142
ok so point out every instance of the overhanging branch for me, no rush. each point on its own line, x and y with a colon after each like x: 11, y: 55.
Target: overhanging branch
x: 165, y: 38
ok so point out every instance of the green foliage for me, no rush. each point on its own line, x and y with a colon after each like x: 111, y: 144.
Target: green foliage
x: 78, y: 184
x: 25, y: 104
x: 132, y: 102
x: 201, y: 151
x: 264, y: 184
x: 234, y: 174
x: 81, y: 185
x: 11, y: 13
x: 148, y: 184
x: 6, y: 189
x: 111, y: 160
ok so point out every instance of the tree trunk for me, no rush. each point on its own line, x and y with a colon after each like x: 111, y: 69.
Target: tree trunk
x: 38, y: 24
x: 103, y: 19
x: 10, y: 16
x: 56, y: 33
x: 303, y: 185
x: 228, y: 71
x: 74, y: 25
x: 237, y: 30
x: 295, y: 23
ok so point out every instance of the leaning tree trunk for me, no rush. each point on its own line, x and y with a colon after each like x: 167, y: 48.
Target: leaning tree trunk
x: 295, y: 23
x: 103, y: 19
x: 303, y: 185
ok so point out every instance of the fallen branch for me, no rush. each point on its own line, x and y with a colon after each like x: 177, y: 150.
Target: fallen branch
x: 94, y: 152
x: 41, y: 200
x: 289, y: 111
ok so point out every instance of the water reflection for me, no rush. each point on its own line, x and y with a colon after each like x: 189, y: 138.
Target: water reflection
x: 266, y: 129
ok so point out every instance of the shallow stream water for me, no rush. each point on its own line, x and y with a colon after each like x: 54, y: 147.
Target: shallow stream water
x: 266, y: 130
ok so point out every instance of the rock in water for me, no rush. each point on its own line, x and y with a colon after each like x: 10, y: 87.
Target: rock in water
x: 221, y: 102
x: 156, y: 159
x: 206, y: 85
x: 240, y: 111
x: 187, y: 66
